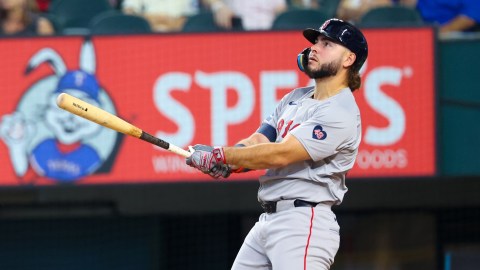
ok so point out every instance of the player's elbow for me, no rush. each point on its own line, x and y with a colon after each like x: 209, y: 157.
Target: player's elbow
x: 267, y: 162
x: 279, y: 161
x: 287, y: 153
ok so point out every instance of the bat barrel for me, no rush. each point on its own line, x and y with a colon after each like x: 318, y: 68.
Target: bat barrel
x: 97, y: 115
x: 106, y: 119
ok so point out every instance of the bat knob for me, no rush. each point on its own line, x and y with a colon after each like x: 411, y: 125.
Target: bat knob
x: 60, y: 100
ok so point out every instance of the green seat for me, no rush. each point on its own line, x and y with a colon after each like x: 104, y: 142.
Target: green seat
x: 114, y: 22
x: 76, y: 14
x: 57, y: 26
x: 391, y: 16
x: 204, y: 22
x: 299, y: 19
x: 329, y: 7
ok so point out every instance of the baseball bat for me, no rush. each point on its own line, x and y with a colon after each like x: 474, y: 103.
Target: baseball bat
x: 106, y: 119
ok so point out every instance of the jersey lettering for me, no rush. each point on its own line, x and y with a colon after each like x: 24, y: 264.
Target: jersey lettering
x: 288, y: 127
x: 280, y: 125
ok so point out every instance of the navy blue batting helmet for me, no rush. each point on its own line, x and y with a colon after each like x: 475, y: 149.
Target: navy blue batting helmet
x: 345, y: 34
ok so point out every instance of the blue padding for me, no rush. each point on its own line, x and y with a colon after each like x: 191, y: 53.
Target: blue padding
x: 300, y: 62
x: 269, y: 132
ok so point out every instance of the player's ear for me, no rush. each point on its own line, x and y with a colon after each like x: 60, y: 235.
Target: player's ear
x: 350, y: 59
x: 302, y: 59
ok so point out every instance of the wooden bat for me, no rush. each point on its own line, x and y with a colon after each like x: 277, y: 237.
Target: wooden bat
x: 106, y: 119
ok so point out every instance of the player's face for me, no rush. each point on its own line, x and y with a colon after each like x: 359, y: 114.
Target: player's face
x: 325, y: 70
x: 325, y: 59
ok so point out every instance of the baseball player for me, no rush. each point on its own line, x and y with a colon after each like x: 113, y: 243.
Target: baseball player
x: 308, y: 144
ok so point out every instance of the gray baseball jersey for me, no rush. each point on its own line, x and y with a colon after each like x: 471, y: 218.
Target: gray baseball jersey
x: 330, y: 131
x: 304, y: 237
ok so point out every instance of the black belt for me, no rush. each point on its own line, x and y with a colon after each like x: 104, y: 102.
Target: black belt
x: 271, y: 207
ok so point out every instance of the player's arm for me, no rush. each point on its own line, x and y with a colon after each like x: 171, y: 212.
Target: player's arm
x: 255, y: 138
x: 203, y: 161
x: 267, y: 154
x: 265, y: 134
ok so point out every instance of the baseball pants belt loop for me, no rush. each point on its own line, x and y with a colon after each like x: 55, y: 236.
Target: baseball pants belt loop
x: 273, y: 207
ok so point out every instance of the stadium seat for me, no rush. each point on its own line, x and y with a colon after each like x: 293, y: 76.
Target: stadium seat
x: 114, y: 22
x: 74, y: 15
x: 329, y: 7
x: 57, y: 26
x: 204, y: 22
x: 299, y: 19
x: 391, y: 16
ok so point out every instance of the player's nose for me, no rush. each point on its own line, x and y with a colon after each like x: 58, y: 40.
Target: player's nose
x: 315, y: 48
x: 313, y: 51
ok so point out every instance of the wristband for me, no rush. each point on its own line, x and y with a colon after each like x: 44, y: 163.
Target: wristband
x: 241, y: 170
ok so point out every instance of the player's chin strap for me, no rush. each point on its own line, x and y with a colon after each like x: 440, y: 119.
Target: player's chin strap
x: 240, y: 170
x: 302, y: 59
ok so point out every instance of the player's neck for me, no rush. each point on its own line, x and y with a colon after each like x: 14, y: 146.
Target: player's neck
x: 328, y: 87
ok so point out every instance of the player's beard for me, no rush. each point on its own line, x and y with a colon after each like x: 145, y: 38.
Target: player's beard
x: 325, y: 70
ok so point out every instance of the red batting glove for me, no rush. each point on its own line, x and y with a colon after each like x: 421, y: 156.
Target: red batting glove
x: 209, y: 160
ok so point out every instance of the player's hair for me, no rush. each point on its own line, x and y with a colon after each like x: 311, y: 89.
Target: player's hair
x: 354, y: 80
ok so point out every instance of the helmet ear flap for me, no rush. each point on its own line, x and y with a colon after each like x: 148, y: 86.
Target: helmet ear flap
x: 302, y: 59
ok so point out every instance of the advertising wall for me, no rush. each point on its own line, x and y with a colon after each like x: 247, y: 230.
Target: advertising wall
x: 211, y: 89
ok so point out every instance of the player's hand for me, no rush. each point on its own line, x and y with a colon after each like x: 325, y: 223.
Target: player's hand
x: 209, y: 160
x: 220, y: 170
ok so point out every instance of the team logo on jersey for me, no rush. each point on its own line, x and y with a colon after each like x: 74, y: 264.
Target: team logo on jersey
x: 318, y: 133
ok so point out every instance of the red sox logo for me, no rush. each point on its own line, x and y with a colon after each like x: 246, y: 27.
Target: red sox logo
x: 325, y: 24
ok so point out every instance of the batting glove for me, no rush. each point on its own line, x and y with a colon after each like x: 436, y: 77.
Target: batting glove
x: 209, y: 160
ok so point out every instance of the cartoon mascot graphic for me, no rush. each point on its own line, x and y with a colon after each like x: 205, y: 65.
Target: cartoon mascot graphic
x: 46, y: 141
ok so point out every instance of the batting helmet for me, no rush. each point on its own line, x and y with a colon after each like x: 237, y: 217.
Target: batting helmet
x: 345, y: 34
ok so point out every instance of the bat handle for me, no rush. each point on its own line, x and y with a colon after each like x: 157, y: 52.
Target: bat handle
x: 163, y: 144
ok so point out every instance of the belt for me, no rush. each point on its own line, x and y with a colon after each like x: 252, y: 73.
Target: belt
x: 273, y: 207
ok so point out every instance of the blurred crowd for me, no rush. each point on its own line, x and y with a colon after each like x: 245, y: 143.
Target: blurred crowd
x: 47, y: 17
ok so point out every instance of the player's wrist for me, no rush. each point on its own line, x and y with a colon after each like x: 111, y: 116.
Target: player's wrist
x: 239, y: 169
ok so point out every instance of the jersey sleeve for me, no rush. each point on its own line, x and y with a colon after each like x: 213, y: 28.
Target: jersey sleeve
x: 272, y: 119
x: 323, y: 137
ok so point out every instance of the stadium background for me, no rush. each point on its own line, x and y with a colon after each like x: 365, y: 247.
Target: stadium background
x: 423, y: 214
